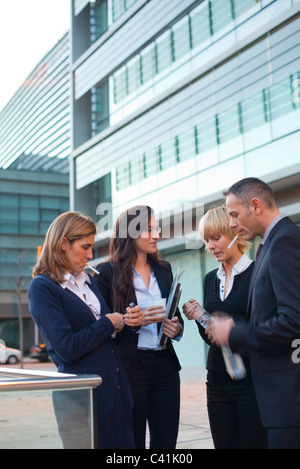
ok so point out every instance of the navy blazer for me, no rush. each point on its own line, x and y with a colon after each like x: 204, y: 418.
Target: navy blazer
x: 127, y: 339
x: 273, y: 324
x: 78, y: 343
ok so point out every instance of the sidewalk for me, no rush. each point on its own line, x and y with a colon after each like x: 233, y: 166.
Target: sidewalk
x: 194, y: 431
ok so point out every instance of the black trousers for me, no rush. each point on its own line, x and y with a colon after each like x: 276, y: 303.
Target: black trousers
x: 284, y: 438
x: 234, y: 417
x: 155, y: 386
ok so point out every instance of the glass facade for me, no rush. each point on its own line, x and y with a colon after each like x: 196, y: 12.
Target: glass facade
x: 182, y: 38
x: 29, y: 214
x: 35, y: 124
x: 29, y: 202
x: 35, y: 136
x: 194, y: 96
x: 103, y: 13
x: 224, y: 131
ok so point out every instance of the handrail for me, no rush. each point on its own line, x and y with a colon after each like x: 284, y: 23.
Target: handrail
x: 23, y: 380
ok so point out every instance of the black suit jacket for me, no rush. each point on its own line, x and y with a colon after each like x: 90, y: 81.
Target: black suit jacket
x: 273, y: 324
x: 127, y: 339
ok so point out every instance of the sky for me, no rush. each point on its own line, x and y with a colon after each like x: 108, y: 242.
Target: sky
x: 28, y: 30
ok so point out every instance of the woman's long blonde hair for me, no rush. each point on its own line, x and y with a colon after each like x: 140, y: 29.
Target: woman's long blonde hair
x: 53, y: 261
x: 215, y: 222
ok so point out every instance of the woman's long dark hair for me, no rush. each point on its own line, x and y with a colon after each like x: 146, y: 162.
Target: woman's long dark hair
x: 122, y: 253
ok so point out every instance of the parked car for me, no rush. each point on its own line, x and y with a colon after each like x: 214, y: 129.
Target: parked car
x: 8, y: 354
x: 40, y: 352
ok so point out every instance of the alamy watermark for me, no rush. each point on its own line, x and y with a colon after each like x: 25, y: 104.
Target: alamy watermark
x: 296, y: 353
x: 180, y: 222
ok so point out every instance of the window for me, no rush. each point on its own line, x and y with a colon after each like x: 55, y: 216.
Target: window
x: 229, y: 124
x: 192, y: 30
x: 9, y: 227
x: 119, y: 84
x: 186, y: 145
x: 122, y: 177
x: 99, y: 19
x: 9, y: 200
x: 167, y: 155
x: 102, y: 190
x: 151, y: 166
x: 133, y: 74
x: 221, y: 13
x: 148, y: 63
x: 29, y: 201
x: 29, y: 227
x: 280, y: 95
x: 100, y: 108
x: 206, y: 135
x: 136, y: 170
x: 181, y: 38
x: 118, y: 8
x: 9, y: 213
x: 50, y: 202
x: 163, y: 52
x: 29, y: 214
x: 254, y: 112
x: 240, y: 6
x: 200, y: 24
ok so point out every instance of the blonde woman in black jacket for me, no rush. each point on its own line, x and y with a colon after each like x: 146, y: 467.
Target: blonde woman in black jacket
x: 232, y: 408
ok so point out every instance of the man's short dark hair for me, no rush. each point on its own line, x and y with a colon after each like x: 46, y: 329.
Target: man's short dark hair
x: 249, y: 188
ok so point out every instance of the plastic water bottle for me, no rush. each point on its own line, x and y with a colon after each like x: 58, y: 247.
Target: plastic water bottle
x: 233, y: 361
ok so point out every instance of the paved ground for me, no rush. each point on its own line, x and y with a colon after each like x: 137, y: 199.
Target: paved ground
x: 194, y: 432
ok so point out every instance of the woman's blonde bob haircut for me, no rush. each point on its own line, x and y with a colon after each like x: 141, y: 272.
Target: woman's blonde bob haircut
x: 53, y: 261
x: 215, y: 222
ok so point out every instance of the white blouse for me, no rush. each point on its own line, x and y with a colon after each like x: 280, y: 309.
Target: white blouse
x: 241, y: 265
x: 78, y: 284
x: 148, y: 334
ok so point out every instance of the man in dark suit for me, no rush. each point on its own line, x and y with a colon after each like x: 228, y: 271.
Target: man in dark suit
x: 273, y: 309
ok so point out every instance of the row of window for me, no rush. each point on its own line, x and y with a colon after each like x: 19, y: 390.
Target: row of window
x: 200, y: 24
x: 27, y: 227
x: 192, y: 30
x: 15, y: 263
x: 99, y: 15
x: 257, y: 110
x: 11, y: 201
x: 29, y: 214
x: 37, y: 121
x: 119, y: 7
x: 17, y: 266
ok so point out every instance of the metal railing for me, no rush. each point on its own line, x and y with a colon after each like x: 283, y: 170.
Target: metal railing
x: 47, y: 410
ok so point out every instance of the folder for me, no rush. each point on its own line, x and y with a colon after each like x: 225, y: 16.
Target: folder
x: 172, y: 304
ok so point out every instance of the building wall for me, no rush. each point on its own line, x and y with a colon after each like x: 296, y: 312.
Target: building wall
x: 180, y: 100
x: 35, y: 146
x: 35, y: 124
x: 29, y: 202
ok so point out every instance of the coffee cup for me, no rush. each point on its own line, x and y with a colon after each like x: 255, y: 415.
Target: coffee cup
x: 157, y: 301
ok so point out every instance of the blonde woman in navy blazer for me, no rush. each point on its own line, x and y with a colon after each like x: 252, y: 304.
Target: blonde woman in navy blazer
x: 77, y: 325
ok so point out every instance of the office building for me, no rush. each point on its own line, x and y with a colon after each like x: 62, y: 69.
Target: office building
x: 172, y: 102
x: 34, y: 181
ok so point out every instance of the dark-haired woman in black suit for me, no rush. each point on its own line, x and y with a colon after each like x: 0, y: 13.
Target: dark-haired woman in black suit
x: 134, y: 273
